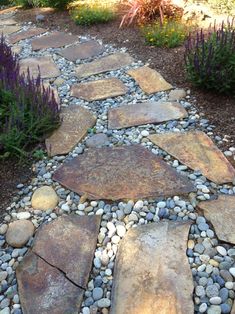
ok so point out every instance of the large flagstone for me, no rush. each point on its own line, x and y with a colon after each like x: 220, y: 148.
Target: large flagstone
x: 34, y: 31
x: 197, y: 151
x: 68, y: 243
x: 48, y: 68
x: 144, y: 113
x: 75, y: 122
x: 149, y: 80
x: 82, y: 51
x: 7, y: 30
x: 43, y: 289
x: 126, y: 172
x: 105, y: 64
x: 7, y: 22
x: 99, y: 90
x: 152, y: 274
x: 54, y: 40
x: 221, y: 213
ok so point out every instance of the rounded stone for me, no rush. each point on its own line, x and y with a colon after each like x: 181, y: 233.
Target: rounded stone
x: 3, y: 229
x: 212, y: 291
x: 19, y: 232
x: 215, y: 300
x: 97, y: 293
x: 214, y: 309
x: 232, y: 271
x: 221, y: 250
x: 44, y: 198
x: 225, y: 308
x: 121, y: 230
x: 202, y: 308
x: 105, y: 302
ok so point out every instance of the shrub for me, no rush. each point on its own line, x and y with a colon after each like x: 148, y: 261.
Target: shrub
x: 58, y: 4
x: 170, y: 34
x: 210, y: 59
x: 91, y: 12
x: 28, y: 111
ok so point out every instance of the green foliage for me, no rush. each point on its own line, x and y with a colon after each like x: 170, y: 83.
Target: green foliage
x: 170, y: 33
x: 39, y: 154
x: 58, y: 4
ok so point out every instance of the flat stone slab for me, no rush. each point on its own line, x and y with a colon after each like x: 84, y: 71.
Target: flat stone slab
x: 197, y: 151
x: 99, y: 90
x: 54, y: 40
x: 105, y: 64
x: 75, y: 122
x: 7, y: 22
x: 233, y: 308
x: 82, y: 51
x: 26, y: 34
x: 144, y: 113
x: 153, y: 270
x: 7, y: 30
x: 149, y: 80
x: 221, y: 213
x: 43, y: 289
x: 68, y: 243
x: 48, y: 68
x: 127, y: 172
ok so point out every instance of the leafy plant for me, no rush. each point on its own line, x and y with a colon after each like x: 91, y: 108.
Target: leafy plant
x: 171, y: 33
x: 210, y: 59
x: 28, y: 111
x: 58, y: 4
x: 38, y: 154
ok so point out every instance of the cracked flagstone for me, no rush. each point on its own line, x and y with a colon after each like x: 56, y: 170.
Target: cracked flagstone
x: 54, y: 40
x: 144, y: 113
x: 76, y: 120
x: 197, y: 151
x: 109, y: 63
x: 82, y: 51
x: 126, y: 172
x: 149, y: 80
x: 34, y: 31
x: 152, y: 269
x: 221, y: 213
x: 99, y: 90
x: 48, y: 68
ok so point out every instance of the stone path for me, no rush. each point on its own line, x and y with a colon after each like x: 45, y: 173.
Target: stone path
x: 131, y: 151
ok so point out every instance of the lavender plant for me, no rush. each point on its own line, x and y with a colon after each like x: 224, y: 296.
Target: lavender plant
x: 28, y: 111
x: 210, y: 58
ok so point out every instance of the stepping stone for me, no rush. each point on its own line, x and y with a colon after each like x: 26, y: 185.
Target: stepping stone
x: 197, y: 151
x: 48, y: 68
x: 19, y: 232
x: 99, y: 90
x: 76, y: 120
x: 82, y: 51
x: 220, y: 213
x: 97, y: 140
x: 149, y: 80
x: 7, y: 30
x: 153, y: 270
x: 68, y: 243
x: 127, y: 172
x: 26, y: 34
x: 54, y: 40
x: 7, y: 22
x: 105, y: 64
x: 233, y: 308
x: 44, y: 289
x: 144, y: 113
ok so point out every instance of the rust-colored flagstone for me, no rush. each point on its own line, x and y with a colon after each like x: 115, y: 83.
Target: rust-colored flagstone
x: 43, y: 289
x: 7, y: 22
x: 149, y: 80
x: 105, y: 64
x: 75, y: 122
x: 127, y: 172
x: 152, y: 274
x: 197, y: 151
x: 68, y: 243
x: 7, y: 30
x: 48, y: 68
x: 221, y: 213
x: 99, y: 90
x: 82, y: 51
x: 143, y: 113
x: 34, y: 31
x: 54, y: 40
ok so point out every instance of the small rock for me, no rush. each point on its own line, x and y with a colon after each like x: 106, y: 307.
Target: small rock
x: 97, y: 140
x: 97, y: 293
x: 103, y: 303
x: 177, y: 94
x: 19, y: 232
x: 121, y: 230
x: 215, y: 300
x: 232, y: 271
x: 40, y: 18
x: 221, y: 250
x: 3, y: 229
x: 44, y: 198
x: 23, y: 215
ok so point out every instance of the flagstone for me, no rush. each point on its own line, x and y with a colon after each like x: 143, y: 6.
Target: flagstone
x: 34, y: 31
x: 221, y: 213
x: 68, y: 243
x: 149, y: 80
x: 152, y: 269
x: 99, y: 90
x: 82, y: 51
x: 48, y: 68
x: 54, y: 40
x: 197, y: 151
x: 7, y: 30
x: 105, y: 64
x: 126, y: 172
x: 233, y: 308
x: 44, y: 289
x: 76, y: 120
x: 143, y: 113
x: 7, y: 22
